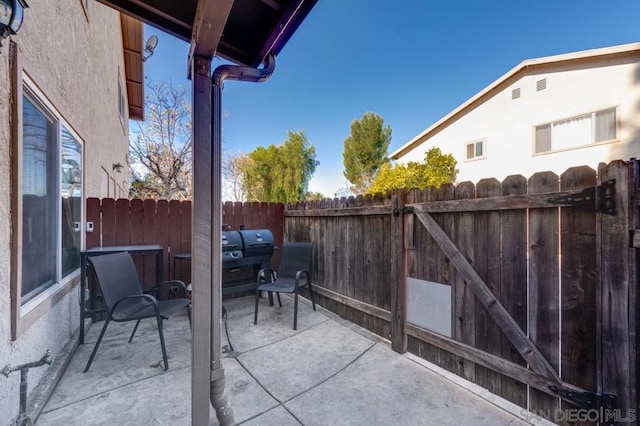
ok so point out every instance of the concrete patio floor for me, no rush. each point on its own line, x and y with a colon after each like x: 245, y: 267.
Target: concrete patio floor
x: 328, y: 372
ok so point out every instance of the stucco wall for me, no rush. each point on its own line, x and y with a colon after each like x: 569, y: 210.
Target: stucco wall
x: 508, y: 124
x: 5, y: 349
x: 76, y: 60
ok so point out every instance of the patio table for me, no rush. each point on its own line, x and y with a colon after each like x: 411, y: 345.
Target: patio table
x: 97, y: 251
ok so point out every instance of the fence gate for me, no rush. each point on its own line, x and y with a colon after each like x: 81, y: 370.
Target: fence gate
x: 542, y: 279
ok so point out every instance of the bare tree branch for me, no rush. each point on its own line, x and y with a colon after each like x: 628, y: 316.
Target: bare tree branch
x: 160, y: 149
x: 233, y: 165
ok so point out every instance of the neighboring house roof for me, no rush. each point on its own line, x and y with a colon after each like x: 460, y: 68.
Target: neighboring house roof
x: 507, y: 79
x: 132, y: 44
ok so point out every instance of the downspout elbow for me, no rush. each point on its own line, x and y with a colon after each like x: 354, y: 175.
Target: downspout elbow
x: 244, y: 73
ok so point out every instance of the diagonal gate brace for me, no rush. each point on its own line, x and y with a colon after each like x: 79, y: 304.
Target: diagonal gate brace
x: 507, y: 324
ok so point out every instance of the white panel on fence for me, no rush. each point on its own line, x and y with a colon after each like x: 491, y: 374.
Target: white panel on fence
x: 429, y: 305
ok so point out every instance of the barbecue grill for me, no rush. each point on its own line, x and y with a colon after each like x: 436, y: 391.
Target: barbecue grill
x: 244, y: 253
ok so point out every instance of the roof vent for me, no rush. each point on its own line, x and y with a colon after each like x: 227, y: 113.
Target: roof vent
x: 541, y: 84
x: 515, y: 93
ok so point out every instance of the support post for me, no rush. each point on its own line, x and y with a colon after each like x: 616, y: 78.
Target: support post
x: 212, y: 182
x: 201, y: 240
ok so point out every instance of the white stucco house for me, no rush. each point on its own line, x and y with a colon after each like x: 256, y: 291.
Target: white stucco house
x: 70, y: 79
x: 546, y: 114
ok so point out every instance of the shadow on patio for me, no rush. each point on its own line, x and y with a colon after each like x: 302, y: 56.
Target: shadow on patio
x: 328, y: 372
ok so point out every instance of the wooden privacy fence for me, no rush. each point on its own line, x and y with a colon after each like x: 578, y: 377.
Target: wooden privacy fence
x: 540, y: 279
x: 353, y: 259
x: 168, y: 223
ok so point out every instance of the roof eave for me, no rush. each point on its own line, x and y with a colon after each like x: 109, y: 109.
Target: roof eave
x: 203, y: 24
x: 147, y: 13
x: 287, y: 26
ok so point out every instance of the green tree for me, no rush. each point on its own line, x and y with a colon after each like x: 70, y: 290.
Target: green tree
x: 314, y: 196
x: 280, y: 173
x: 436, y: 170
x: 365, y: 151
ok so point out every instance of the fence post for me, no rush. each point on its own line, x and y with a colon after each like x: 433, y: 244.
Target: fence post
x: 398, y: 273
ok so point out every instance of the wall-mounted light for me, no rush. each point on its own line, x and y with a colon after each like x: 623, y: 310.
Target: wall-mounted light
x: 11, y: 14
x: 117, y: 167
x: 152, y: 42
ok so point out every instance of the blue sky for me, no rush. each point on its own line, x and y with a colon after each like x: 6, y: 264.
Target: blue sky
x: 410, y: 61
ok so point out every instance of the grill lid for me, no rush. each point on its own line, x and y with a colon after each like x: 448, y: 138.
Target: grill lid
x: 257, y: 242
x: 231, y: 246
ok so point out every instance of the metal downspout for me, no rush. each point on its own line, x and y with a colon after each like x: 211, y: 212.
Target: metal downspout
x: 219, y: 401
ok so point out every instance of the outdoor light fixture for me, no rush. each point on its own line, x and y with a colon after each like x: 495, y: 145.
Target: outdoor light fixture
x: 152, y: 42
x: 117, y: 167
x: 11, y: 14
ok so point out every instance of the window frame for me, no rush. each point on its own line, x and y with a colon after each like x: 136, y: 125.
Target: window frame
x: 474, y: 143
x: 593, y: 113
x: 24, y: 83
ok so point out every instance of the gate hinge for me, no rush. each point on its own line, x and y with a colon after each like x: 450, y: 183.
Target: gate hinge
x: 405, y: 210
x: 588, y: 400
x: 596, y: 198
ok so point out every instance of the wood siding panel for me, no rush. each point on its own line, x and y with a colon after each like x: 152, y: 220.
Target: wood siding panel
x: 544, y: 285
x: 513, y: 277
x: 578, y: 287
x: 163, y: 235
x: 487, y: 265
x: 464, y: 317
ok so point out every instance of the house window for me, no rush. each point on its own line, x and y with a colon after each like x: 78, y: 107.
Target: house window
x: 583, y: 130
x: 51, y: 196
x: 39, y: 200
x: 475, y: 150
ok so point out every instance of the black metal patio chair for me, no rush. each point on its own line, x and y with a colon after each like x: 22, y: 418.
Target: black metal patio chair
x: 126, y: 301
x: 294, y: 273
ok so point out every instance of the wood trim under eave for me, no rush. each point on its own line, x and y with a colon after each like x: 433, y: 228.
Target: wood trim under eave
x: 136, y: 113
x: 133, y: 61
